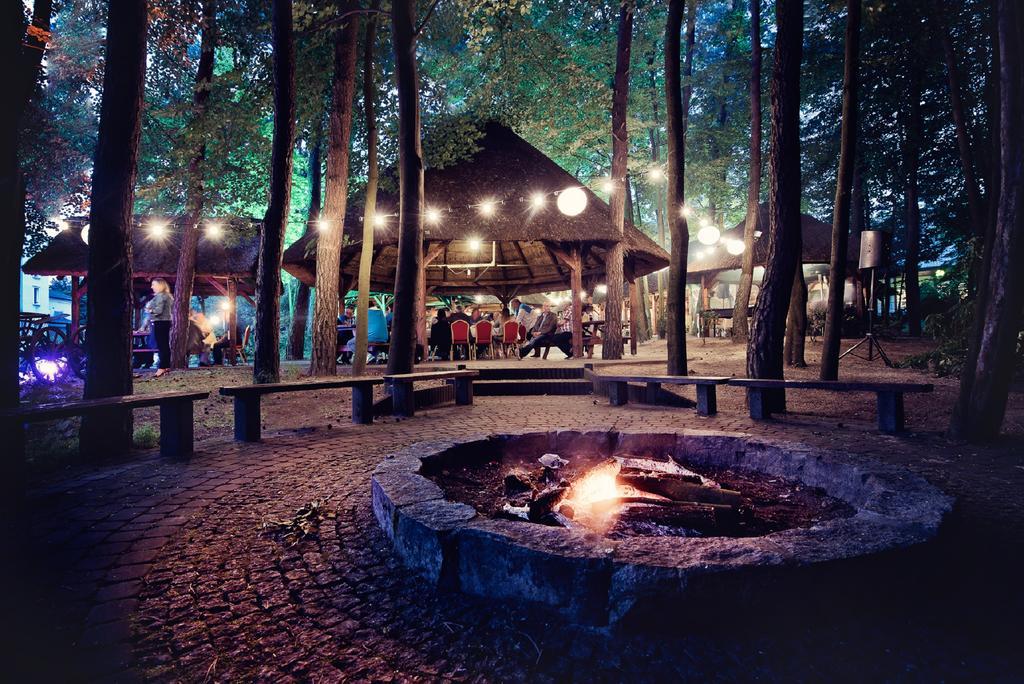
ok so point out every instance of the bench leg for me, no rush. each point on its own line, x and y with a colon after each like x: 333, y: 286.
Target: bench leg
x: 463, y: 391
x: 247, y: 418
x: 403, y: 402
x: 758, y: 401
x: 652, y: 391
x: 890, y: 412
x: 176, y: 428
x: 707, y: 400
x: 362, y: 404
x: 618, y: 393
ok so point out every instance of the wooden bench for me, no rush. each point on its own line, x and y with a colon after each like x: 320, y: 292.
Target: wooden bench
x: 247, y: 401
x: 176, y: 433
x: 707, y: 399
x: 402, y: 400
x: 890, y: 396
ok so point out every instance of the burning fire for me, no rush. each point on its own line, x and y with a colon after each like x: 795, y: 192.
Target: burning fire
x: 591, y: 496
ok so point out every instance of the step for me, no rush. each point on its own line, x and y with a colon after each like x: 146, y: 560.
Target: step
x: 497, y: 388
x: 531, y: 373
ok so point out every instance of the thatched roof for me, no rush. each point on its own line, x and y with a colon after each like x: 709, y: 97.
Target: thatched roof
x: 233, y: 256
x: 817, y: 247
x: 508, y: 171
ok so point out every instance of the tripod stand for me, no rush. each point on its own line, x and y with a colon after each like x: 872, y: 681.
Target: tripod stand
x: 870, y: 340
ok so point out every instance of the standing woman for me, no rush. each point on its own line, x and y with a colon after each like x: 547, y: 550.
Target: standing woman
x: 158, y: 316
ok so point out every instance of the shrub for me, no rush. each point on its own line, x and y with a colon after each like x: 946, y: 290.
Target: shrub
x: 145, y: 437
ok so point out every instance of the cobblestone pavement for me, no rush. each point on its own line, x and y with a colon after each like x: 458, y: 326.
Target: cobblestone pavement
x: 147, y: 569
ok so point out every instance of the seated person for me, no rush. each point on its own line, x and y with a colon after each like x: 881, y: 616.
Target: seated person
x: 376, y: 331
x: 223, y: 343
x: 563, y: 336
x: 542, y: 332
x: 441, y: 335
x: 347, y: 316
x: 200, y: 337
x: 459, y: 315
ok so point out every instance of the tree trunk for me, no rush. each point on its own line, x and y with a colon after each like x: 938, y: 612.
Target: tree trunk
x: 675, y: 115
x: 612, y: 346
x: 985, y: 381
x: 911, y: 156
x: 300, y: 315
x: 185, y: 275
x: 740, y: 327
x: 324, y: 359
x: 267, y: 356
x: 370, y: 205
x: 22, y: 53
x: 108, y: 344
x: 858, y: 224
x: 796, y: 321
x: 410, y: 188
x: 975, y: 208
x: 764, y: 350
x: 844, y: 188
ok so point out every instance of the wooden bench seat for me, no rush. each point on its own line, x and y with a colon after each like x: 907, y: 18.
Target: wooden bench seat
x: 247, y: 401
x: 176, y: 424
x: 889, y: 394
x: 402, y: 399
x: 707, y: 399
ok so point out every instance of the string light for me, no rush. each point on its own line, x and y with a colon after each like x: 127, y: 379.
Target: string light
x: 537, y: 201
x: 323, y: 225
x: 214, y: 231
x: 735, y: 247
x: 608, y: 185
x: 655, y: 174
x: 474, y: 244
x: 488, y: 208
x: 686, y: 211
x: 708, y: 234
x: 433, y: 216
x: 225, y: 305
x: 379, y: 220
x: 572, y: 201
x: 158, y: 230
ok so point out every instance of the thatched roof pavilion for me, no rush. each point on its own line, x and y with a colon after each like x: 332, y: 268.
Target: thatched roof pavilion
x: 231, y: 258
x: 709, y: 263
x: 517, y: 250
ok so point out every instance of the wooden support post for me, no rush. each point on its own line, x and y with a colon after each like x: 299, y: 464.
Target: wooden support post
x: 707, y: 400
x: 403, y: 400
x: 362, y: 404
x: 76, y: 309
x: 618, y: 393
x: 430, y: 253
x: 576, y: 277
x: 652, y: 391
x: 176, y: 428
x: 890, y: 412
x: 232, y: 323
x: 464, y: 391
x: 247, y: 417
x: 634, y: 315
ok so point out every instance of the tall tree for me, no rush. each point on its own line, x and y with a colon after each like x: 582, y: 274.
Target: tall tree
x: 844, y: 193
x: 796, y: 321
x: 267, y: 357
x: 329, y: 242
x: 985, y: 381
x: 196, y: 196
x: 410, y: 188
x: 300, y: 316
x: 370, y: 205
x: 912, y: 208
x: 23, y: 46
x: 676, y: 111
x: 612, y: 347
x: 109, y: 372
x: 740, y: 327
x: 765, y: 347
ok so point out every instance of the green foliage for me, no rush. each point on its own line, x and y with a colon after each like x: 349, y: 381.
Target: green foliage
x: 146, y: 437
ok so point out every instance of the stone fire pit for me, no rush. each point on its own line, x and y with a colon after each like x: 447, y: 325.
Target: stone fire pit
x: 600, y: 579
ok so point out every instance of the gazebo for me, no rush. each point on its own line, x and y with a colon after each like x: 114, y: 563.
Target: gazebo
x: 493, y: 227
x: 225, y: 266
x: 711, y: 266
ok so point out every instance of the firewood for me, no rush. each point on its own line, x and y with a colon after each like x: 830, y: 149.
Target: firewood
x: 544, y: 502
x: 680, y: 489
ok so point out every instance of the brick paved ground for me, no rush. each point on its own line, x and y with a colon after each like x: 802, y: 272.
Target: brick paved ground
x: 145, y: 569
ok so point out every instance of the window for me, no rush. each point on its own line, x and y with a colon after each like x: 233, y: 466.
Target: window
x: 35, y: 296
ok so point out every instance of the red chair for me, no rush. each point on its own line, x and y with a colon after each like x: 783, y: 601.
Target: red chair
x: 460, y: 337
x: 484, y: 333
x: 510, y: 337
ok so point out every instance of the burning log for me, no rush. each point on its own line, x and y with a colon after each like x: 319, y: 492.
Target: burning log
x: 545, y: 502
x: 679, y: 488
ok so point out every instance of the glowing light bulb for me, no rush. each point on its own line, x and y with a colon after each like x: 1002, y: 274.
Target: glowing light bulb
x: 323, y: 225
x: 214, y: 231
x: 572, y: 201
x: 735, y: 247
x: 537, y: 200
x: 85, y: 233
x: 475, y: 244
x: 433, y: 216
x: 225, y: 305
x: 158, y: 230
x: 655, y: 174
x: 708, y: 235
x: 608, y: 186
x: 686, y: 211
x: 379, y: 220
x: 488, y: 208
